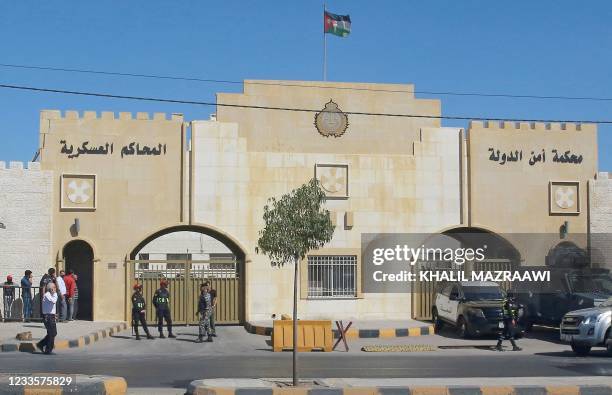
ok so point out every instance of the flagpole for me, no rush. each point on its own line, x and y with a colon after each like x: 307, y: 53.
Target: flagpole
x: 324, y: 45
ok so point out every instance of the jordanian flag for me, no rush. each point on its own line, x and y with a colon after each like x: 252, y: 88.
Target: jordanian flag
x: 340, y: 25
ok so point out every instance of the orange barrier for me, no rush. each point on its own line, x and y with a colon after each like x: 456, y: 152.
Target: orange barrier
x: 312, y: 335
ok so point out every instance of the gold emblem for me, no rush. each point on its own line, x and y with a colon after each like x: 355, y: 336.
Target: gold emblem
x: 331, y: 121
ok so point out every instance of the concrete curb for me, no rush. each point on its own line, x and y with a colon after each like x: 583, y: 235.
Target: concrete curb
x: 65, y: 344
x: 94, y: 385
x: 198, y: 388
x: 422, y: 330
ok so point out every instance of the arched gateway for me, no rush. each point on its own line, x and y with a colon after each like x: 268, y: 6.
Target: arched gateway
x: 186, y: 256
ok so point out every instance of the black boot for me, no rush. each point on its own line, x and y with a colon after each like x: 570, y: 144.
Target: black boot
x: 200, y: 339
x: 516, y: 348
x: 209, y: 339
x: 498, y: 347
x: 161, y: 335
x: 137, y: 336
x: 149, y: 336
x: 171, y: 335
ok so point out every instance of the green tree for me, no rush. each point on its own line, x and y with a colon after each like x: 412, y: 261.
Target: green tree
x: 295, y: 224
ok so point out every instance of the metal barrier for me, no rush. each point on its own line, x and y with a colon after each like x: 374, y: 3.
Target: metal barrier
x: 12, y: 308
x: 184, y: 278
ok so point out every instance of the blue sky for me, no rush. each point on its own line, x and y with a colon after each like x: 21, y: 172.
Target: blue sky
x: 539, y: 47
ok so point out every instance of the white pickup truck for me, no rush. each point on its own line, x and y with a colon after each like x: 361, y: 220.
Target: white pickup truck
x: 588, y: 328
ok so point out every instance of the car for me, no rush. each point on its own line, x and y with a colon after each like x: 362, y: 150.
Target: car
x: 568, y: 289
x: 473, y: 307
x: 587, y: 328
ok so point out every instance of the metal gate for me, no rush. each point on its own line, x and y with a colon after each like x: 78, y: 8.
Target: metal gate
x: 184, y: 278
x: 424, y: 292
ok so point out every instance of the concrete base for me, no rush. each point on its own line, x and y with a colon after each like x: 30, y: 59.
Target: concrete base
x: 598, y: 385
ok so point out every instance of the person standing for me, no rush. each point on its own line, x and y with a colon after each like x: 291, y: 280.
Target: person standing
x: 161, y: 301
x: 510, y: 317
x: 61, y: 290
x: 8, y: 290
x: 204, y: 312
x: 213, y: 313
x: 47, y: 278
x: 139, y: 311
x: 75, y: 297
x: 26, y: 295
x: 49, y: 301
x: 69, y: 281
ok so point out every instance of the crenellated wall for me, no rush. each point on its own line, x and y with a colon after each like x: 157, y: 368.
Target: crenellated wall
x: 25, y: 211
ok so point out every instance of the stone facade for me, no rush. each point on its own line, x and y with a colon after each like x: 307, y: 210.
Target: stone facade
x: 600, y: 206
x: 119, y: 182
x: 26, y: 212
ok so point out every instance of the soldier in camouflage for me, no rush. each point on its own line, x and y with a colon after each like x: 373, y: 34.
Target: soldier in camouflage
x: 205, y: 312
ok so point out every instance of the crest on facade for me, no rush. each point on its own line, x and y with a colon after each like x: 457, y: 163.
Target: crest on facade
x: 331, y: 121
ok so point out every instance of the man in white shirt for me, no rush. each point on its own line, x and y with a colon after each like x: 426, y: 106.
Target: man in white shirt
x: 61, y: 288
x: 49, y: 301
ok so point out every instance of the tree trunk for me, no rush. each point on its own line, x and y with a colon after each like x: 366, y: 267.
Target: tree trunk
x: 295, y: 332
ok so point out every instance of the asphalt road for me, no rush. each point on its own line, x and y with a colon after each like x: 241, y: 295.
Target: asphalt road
x: 177, y: 371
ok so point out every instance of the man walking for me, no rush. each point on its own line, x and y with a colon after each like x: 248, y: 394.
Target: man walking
x: 69, y: 282
x: 510, y: 317
x: 8, y: 290
x: 205, y: 311
x: 139, y: 311
x: 161, y: 301
x: 26, y: 295
x: 49, y: 301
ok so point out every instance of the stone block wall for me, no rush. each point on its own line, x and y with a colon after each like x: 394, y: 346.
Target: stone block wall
x: 25, y: 211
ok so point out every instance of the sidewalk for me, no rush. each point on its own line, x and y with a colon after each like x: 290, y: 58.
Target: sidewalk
x: 360, y: 328
x: 598, y: 385
x: 69, y: 334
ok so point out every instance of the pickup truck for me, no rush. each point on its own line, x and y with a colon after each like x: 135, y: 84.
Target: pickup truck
x: 587, y: 328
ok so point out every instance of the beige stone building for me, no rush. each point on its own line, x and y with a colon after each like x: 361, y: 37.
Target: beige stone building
x: 123, y: 185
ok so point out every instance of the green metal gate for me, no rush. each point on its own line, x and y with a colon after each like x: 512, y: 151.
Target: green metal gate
x: 184, y: 278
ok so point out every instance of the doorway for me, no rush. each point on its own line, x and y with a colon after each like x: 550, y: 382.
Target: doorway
x: 78, y: 257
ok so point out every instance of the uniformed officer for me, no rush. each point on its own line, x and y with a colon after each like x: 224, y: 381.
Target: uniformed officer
x: 510, y: 319
x: 139, y: 311
x: 205, y: 306
x: 161, y: 301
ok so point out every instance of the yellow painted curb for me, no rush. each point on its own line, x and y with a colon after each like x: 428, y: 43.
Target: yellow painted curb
x: 497, y: 390
x: 115, y: 386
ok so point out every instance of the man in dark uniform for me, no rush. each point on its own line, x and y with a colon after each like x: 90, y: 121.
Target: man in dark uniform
x: 510, y: 319
x: 161, y: 301
x: 138, y: 311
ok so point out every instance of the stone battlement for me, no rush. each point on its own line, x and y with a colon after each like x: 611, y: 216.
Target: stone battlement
x: 109, y: 115
x: 540, y: 126
x: 14, y: 165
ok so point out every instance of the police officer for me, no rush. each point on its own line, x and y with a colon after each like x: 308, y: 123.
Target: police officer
x: 138, y: 311
x: 161, y: 301
x: 510, y: 319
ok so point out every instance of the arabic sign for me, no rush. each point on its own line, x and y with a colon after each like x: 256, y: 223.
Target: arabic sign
x: 130, y: 149
x: 533, y: 158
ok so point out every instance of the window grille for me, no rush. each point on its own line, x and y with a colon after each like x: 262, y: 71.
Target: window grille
x: 332, y: 276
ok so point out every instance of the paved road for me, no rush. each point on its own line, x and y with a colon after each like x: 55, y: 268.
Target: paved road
x: 178, y: 371
x: 175, y: 363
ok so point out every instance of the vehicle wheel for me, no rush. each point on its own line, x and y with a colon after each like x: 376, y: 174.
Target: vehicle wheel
x: 580, y: 349
x: 462, y: 328
x: 608, y: 342
x: 438, y: 324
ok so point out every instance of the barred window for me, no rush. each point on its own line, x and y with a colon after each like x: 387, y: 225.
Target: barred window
x: 332, y: 276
